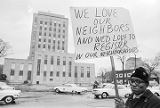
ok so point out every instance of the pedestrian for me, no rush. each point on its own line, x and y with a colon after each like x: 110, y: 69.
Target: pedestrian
x: 95, y: 85
x: 141, y: 97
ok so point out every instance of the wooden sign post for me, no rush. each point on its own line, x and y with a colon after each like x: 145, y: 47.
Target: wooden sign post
x: 114, y: 76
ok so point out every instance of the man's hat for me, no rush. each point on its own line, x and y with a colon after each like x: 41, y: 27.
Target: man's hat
x: 141, y: 73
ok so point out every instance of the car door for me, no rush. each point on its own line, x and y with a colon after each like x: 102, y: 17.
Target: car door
x: 2, y: 93
x: 68, y: 88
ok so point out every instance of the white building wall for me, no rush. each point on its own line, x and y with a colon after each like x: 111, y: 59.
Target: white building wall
x: 17, y: 78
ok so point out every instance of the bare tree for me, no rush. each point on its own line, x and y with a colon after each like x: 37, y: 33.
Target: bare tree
x: 101, y: 73
x: 4, y: 47
x: 122, y: 58
x: 151, y: 64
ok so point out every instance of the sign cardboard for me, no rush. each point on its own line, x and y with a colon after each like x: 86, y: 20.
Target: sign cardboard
x: 102, y: 31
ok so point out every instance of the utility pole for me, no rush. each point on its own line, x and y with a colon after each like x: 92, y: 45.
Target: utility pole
x: 135, y: 62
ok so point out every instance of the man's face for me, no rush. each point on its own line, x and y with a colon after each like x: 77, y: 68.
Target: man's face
x: 138, y: 86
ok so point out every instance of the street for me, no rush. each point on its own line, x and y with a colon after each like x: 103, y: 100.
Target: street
x: 53, y: 100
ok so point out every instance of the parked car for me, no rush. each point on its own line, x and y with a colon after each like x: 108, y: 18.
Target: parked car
x: 70, y: 88
x: 109, y: 90
x: 3, y: 85
x: 9, y: 95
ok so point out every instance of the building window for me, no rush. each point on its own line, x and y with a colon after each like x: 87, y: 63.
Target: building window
x: 59, y: 36
x: 69, y: 74
x: 53, y: 47
x: 38, y: 66
x: 76, y: 72
x: 37, y: 82
x: 88, y: 72
x: 40, y: 27
x: 58, y: 60
x: 54, y: 35
x: 82, y: 72
x: 39, y: 45
x: 21, y: 73
x: 45, y: 23
x: 44, y: 33
x: 51, y: 79
x: 44, y: 40
x: 50, y: 28
x: 54, y: 29
x: 58, y: 47
x: 63, y: 31
x: 49, y: 34
x: 12, y: 72
x: 29, y: 75
x: 64, y: 73
x: 49, y: 40
x: 64, y: 60
x: 54, y: 42
x: 39, y: 40
x: 63, y: 36
x: 52, y: 60
x: 51, y: 73
x: 70, y: 68
x: 50, y: 23
x: 44, y: 73
x: 55, y: 24
x: 44, y: 46
x: 45, y: 59
x: 59, y: 30
x: 64, y: 25
x: 59, y: 25
x: 41, y: 22
x: 49, y: 47
x: 57, y: 74
x: 40, y: 33
x: 62, y: 45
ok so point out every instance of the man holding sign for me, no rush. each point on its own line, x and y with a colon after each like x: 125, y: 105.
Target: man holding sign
x: 100, y: 32
x: 141, y: 97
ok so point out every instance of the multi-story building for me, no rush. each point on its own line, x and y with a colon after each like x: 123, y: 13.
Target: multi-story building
x: 49, y: 61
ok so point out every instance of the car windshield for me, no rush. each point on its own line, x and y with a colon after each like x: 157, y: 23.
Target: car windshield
x: 112, y: 86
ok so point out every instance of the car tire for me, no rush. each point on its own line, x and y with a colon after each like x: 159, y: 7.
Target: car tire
x: 79, y: 93
x: 96, y: 96
x: 104, y: 95
x: 57, y: 90
x: 156, y: 94
x: 8, y: 100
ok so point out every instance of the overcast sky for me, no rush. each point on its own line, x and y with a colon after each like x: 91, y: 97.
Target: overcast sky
x: 17, y: 15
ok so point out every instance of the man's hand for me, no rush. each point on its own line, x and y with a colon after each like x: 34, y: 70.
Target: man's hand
x: 119, y: 103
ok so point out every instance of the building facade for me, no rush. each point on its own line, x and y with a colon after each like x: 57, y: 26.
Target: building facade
x: 49, y: 58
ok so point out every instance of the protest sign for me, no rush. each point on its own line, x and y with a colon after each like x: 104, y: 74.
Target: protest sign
x: 102, y: 31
